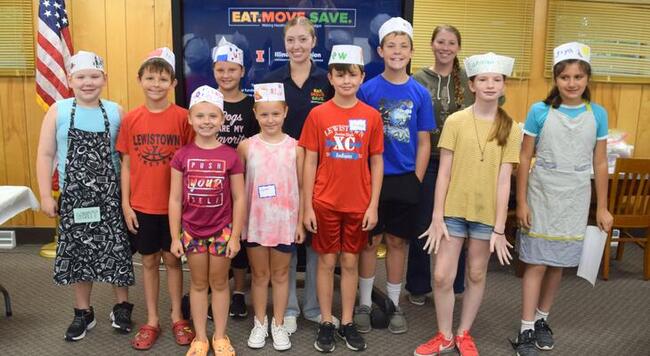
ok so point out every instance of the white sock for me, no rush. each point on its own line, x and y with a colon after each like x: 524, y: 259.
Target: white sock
x: 365, y: 290
x: 527, y: 325
x: 540, y: 315
x: 393, y: 292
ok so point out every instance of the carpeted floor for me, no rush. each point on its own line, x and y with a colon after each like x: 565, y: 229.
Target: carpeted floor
x: 611, y: 319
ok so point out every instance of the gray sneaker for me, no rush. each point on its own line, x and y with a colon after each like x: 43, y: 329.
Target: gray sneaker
x: 525, y: 344
x: 397, y: 323
x: 417, y: 299
x: 362, y: 318
x: 543, y: 335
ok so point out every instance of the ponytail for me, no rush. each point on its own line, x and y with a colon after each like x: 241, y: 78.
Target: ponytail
x: 502, y: 129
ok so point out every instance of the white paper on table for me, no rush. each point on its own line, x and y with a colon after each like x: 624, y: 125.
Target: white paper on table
x: 14, y: 199
x: 592, y: 253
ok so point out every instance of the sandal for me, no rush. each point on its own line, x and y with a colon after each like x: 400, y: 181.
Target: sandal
x: 222, y: 347
x: 146, y: 337
x: 183, y: 332
x: 198, y: 348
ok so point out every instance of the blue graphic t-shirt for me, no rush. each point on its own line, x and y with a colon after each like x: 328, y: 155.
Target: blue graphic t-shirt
x: 405, y: 109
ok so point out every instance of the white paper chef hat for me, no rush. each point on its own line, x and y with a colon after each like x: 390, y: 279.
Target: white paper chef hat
x: 165, y: 54
x: 86, y: 60
x: 227, y: 52
x: 207, y: 94
x: 268, y: 92
x: 346, y: 54
x: 572, y: 50
x: 489, y: 63
x: 395, y: 24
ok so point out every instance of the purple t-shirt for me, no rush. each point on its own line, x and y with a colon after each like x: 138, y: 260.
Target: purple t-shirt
x: 207, y: 199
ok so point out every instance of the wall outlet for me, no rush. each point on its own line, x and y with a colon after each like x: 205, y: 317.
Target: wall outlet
x: 7, y: 239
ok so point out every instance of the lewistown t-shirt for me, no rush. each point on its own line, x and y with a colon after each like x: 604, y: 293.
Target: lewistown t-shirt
x: 151, y: 139
x: 207, y: 198
x: 239, y: 122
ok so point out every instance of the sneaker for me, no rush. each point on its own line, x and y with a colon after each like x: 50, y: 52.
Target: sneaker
x: 259, y: 333
x: 83, y: 320
x: 325, y: 339
x: 525, y: 344
x: 318, y: 319
x: 121, y: 317
x: 362, y: 318
x: 280, y: 337
x: 238, y: 306
x: 543, y: 335
x: 417, y: 299
x: 397, y: 323
x: 353, y: 340
x: 435, y: 346
x: 291, y: 324
x: 465, y: 344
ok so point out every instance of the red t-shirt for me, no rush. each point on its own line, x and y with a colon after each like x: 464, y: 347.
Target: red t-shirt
x: 344, y: 139
x: 151, y: 139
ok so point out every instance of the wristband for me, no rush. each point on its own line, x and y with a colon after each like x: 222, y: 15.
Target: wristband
x: 499, y: 233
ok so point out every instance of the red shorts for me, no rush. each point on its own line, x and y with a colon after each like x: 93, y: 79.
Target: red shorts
x: 338, y: 231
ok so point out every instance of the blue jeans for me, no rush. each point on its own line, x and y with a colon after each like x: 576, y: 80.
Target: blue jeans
x: 310, y: 306
x: 418, y: 272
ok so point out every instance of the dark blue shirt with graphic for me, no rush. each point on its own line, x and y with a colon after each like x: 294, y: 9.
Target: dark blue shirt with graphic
x: 405, y: 109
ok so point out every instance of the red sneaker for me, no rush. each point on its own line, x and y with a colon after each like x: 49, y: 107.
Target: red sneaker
x: 466, y: 345
x: 435, y: 346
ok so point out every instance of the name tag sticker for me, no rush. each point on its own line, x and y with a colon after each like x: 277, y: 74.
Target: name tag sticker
x: 357, y: 125
x: 266, y: 191
x: 87, y: 215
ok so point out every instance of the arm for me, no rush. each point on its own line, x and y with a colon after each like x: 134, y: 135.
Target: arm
x: 175, y: 211
x: 438, y: 229
x: 422, y: 154
x: 238, y: 213
x: 44, y: 159
x: 498, y: 240
x: 300, y: 161
x: 604, y: 218
x: 376, y: 177
x: 525, y: 156
x: 125, y: 177
x: 309, y: 174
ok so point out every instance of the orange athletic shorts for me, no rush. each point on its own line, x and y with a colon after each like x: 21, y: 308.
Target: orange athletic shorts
x: 338, y: 231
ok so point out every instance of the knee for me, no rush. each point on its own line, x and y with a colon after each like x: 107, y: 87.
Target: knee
x: 442, y: 281
x: 151, y: 262
x: 326, y: 264
x: 476, y: 275
x: 260, y: 276
x: 395, y: 243
x: 219, y: 284
x: 199, y: 285
x: 349, y: 263
x: 171, y: 262
x: 280, y: 275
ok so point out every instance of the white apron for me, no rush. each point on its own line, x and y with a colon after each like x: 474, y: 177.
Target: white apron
x: 559, y: 190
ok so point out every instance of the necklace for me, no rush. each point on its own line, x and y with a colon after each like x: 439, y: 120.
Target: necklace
x: 478, y: 141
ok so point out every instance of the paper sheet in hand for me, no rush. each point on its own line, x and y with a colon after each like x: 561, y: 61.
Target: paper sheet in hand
x: 592, y: 253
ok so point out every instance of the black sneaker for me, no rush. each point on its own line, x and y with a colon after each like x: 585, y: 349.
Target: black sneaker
x: 238, y: 306
x: 83, y: 320
x: 353, y: 340
x: 543, y: 335
x: 121, y: 317
x: 325, y: 340
x: 525, y: 344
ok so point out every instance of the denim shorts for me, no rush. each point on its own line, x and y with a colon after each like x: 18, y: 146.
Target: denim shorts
x: 459, y: 227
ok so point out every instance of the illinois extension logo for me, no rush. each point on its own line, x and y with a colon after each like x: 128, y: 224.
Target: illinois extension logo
x: 278, y: 16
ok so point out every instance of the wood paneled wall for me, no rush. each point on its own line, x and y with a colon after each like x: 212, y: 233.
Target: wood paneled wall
x: 124, y: 31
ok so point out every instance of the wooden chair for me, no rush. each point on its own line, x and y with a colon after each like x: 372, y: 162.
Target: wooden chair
x: 629, y: 203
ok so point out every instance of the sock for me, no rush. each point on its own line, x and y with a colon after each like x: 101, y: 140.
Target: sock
x: 527, y: 325
x: 540, y: 315
x: 393, y: 292
x: 365, y: 290
x: 238, y: 292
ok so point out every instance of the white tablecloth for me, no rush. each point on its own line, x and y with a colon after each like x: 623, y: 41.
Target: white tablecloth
x: 14, y: 199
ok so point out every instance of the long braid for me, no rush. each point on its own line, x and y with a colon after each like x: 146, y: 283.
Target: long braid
x: 459, y: 93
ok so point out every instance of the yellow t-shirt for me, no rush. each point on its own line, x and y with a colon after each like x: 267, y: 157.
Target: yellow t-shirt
x: 473, y: 185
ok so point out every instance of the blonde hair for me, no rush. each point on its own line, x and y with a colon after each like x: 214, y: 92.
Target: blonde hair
x: 300, y: 21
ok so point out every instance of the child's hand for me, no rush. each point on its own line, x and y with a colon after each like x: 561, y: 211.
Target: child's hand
x: 310, y: 220
x: 232, y: 248
x: 523, y: 215
x: 300, y: 234
x: 176, y: 248
x: 131, y: 219
x: 434, y: 234
x: 369, y: 219
x: 604, y: 219
x: 501, y: 245
x: 49, y: 206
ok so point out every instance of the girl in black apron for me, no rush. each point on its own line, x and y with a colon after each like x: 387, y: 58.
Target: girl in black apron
x: 93, y: 244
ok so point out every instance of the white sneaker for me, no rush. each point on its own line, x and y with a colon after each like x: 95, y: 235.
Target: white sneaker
x: 290, y: 324
x: 259, y: 333
x: 319, y: 319
x: 280, y: 337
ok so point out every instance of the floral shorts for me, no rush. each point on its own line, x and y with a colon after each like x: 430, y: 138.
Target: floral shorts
x: 215, y: 245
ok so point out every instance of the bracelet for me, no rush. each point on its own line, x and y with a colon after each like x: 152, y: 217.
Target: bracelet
x: 499, y: 233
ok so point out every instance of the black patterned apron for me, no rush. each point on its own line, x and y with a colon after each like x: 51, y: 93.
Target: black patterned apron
x: 93, y: 245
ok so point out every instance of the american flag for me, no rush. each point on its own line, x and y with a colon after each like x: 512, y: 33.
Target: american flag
x: 53, y: 52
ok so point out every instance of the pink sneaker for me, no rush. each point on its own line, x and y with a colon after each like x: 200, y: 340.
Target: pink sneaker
x: 435, y: 346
